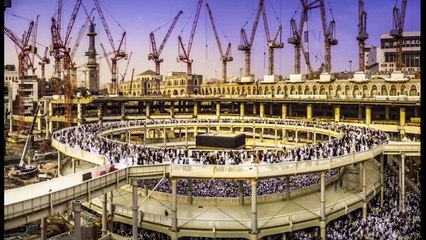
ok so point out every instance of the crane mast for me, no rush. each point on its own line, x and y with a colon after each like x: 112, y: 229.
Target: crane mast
x: 329, y: 37
x: 185, y: 55
x: 154, y: 55
x: 396, y: 32
x: 271, y: 43
x: 296, y: 36
x: 118, y: 52
x: 362, y: 34
x: 224, y: 57
x: 246, y: 44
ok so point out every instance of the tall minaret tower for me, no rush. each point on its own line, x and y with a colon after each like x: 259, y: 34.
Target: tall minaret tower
x: 92, y: 66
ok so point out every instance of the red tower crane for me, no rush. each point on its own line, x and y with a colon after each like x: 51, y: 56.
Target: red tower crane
x: 397, y: 30
x: 362, y: 34
x: 272, y: 43
x: 61, y: 50
x: 118, y: 52
x: 44, y: 60
x: 329, y: 37
x: 224, y: 57
x: 296, y: 36
x: 245, y: 44
x: 184, y: 55
x: 24, y: 64
x: 154, y: 55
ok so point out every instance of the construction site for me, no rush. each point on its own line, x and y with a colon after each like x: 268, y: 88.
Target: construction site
x: 160, y: 110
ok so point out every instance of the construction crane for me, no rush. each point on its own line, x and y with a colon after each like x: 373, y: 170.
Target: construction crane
x: 329, y: 37
x: 44, y: 60
x: 125, y: 70
x: 362, y: 34
x: 60, y: 50
x: 81, y: 33
x: 184, y: 55
x: 245, y: 44
x: 271, y: 43
x: 397, y: 30
x: 224, y: 57
x: 154, y: 55
x: 118, y: 52
x: 296, y: 35
x: 24, y: 63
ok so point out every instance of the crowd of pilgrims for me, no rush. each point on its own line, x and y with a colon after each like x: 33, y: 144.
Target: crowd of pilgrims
x: 383, y: 222
x: 88, y: 137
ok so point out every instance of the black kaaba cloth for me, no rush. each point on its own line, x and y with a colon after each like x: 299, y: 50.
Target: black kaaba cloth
x: 221, y: 141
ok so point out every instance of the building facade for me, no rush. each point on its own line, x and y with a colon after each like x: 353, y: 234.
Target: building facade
x: 382, y: 59
x: 146, y: 83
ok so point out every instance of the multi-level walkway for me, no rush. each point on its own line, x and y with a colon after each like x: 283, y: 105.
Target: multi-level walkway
x: 36, y: 201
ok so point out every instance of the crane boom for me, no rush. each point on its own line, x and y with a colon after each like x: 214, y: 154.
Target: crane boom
x: 106, y: 57
x: 223, y: 57
x: 72, y: 21
x: 194, y: 26
x: 80, y: 35
x: 155, y: 54
x: 169, y: 32
x: 104, y: 22
x: 34, y: 38
x: 127, y: 66
x: 271, y: 43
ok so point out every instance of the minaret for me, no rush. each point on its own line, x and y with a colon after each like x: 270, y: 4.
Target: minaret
x: 92, y: 66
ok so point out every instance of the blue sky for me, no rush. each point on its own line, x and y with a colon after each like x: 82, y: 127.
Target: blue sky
x: 139, y: 18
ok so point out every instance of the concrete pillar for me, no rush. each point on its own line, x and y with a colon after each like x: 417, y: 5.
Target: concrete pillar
x: 337, y: 113
x: 77, y: 218
x: 368, y: 114
x: 387, y: 108
x: 254, y: 136
x: 242, y: 109
x: 284, y: 111
x: 100, y: 113
x: 360, y: 111
x: 254, y: 109
x: 262, y: 110
x: 186, y: 135
x: 79, y: 114
x: 164, y: 137
x: 254, y: 207
x: 309, y: 112
x: 296, y: 140
x: 364, y: 192
x: 402, y: 116
x: 147, y: 110
x: 218, y: 109
x: 123, y: 111
x: 416, y: 112
x: 73, y: 165
x: 261, y: 135
x: 172, y: 110
x: 232, y: 108
x: 43, y: 228
x: 322, y: 210
x: 104, y: 213
x: 290, y: 109
x: 50, y: 120
x: 195, y: 114
x: 111, y: 206
x: 59, y: 163
x: 174, y: 205
x: 402, y: 184
x: 189, y: 191
x: 135, y: 209
x: 382, y: 179
x: 271, y: 108
x: 276, y: 137
x: 241, y: 190
x: 287, y: 187
x: 315, y: 137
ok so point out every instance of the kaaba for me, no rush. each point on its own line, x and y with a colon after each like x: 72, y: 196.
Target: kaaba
x: 221, y: 141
